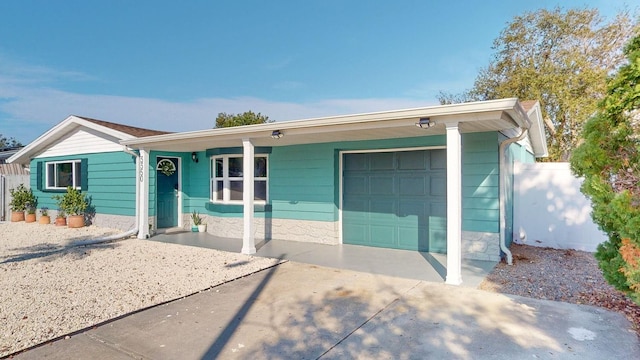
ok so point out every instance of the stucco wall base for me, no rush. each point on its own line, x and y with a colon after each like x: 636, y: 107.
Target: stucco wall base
x: 120, y: 222
x: 480, y: 246
x: 323, y: 232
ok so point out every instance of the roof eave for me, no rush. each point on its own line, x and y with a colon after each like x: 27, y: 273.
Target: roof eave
x: 453, y: 111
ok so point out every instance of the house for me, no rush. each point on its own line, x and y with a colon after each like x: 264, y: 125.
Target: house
x: 435, y: 179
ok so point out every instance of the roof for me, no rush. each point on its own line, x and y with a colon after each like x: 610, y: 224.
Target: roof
x: 131, y: 130
x: 115, y: 131
x: 481, y: 116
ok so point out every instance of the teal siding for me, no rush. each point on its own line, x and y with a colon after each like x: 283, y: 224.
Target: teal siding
x: 480, y: 181
x: 302, y: 182
x: 111, y: 186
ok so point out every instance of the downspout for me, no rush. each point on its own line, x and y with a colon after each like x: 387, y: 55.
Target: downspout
x: 503, y: 191
x: 127, y: 233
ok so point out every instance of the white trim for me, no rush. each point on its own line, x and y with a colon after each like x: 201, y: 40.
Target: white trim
x: 55, y: 177
x: 226, y: 179
x: 366, y: 151
x: 437, y: 147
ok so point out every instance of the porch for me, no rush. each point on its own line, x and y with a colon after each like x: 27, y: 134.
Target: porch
x: 390, y: 262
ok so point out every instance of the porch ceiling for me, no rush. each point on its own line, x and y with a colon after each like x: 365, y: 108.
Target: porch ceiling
x: 472, y: 117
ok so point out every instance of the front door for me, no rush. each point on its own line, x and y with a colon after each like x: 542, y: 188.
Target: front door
x: 167, y: 191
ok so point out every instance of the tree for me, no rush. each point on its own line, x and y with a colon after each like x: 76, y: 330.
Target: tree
x: 561, y: 58
x: 8, y: 142
x: 609, y: 160
x: 246, y: 118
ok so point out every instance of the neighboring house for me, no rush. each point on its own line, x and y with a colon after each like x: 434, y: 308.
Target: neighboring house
x: 426, y: 179
x: 6, y: 153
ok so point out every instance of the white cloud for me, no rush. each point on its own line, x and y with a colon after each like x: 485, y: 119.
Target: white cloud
x: 30, y: 104
x: 40, y: 109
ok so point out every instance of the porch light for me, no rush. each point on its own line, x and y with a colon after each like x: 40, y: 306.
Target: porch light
x: 194, y: 157
x: 277, y: 134
x: 424, y: 123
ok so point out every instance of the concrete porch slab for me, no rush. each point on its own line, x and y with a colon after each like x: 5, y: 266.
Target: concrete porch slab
x: 390, y: 262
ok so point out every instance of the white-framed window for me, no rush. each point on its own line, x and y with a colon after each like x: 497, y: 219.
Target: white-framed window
x: 227, y: 180
x: 60, y: 174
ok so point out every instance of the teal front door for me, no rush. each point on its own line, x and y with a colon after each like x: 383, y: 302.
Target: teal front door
x: 395, y: 200
x: 167, y: 188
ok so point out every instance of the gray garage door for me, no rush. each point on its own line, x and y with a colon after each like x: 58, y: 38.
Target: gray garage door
x: 395, y: 200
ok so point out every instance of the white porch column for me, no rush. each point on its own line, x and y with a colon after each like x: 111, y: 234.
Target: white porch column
x: 454, y: 205
x: 143, y: 194
x: 248, y: 238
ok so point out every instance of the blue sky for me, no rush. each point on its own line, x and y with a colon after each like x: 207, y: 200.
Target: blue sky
x: 174, y: 65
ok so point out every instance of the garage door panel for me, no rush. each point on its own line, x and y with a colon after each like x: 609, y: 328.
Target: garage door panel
x: 413, y: 185
x: 383, y: 236
x: 381, y: 161
x: 412, y: 160
x: 382, y: 185
x: 413, y: 238
x: 438, y: 186
x: 355, y: 185
x: 357, y: 234
x: 438, y: 159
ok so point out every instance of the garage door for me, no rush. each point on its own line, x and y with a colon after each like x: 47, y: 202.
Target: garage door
x: 395, y: 200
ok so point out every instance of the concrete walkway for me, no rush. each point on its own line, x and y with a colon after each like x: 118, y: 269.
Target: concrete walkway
x: 303, y: 311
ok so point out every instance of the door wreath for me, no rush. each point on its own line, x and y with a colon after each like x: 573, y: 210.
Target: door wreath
x: 166, y: 167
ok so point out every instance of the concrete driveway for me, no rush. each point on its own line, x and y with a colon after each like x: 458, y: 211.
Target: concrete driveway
x: 303, y: 311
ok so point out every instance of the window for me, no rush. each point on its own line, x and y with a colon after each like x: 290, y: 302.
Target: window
x: 61, y: 174
x: 227, y: 180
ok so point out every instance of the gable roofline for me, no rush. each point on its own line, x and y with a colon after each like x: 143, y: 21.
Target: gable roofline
x: 118, y: 131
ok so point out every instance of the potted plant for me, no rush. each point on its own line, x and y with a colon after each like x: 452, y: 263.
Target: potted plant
x: 44, y: 215
x: 73, y: 203
x: 31, y: 213
x: 198, y: 225
x: 20, y: 197
x: 61, y: 218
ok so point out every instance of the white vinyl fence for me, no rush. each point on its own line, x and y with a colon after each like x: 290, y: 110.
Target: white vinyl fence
x: 550, y: 210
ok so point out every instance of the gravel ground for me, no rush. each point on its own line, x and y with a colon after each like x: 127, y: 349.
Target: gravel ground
x: 562, y: 275
x: 49, y: 288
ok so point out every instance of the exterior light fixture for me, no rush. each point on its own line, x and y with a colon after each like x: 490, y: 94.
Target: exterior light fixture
x: 194, y: 157
x: 277, y: 134
x: 424, y: 123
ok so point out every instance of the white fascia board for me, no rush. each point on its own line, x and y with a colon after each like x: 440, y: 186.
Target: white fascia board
x: 537, y: 133
x: 71, y: 122
x: 363, y: 121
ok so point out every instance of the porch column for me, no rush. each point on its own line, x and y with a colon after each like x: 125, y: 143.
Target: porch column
x: 142, y: 175
x: 454, y: 205
x: 248, y: 238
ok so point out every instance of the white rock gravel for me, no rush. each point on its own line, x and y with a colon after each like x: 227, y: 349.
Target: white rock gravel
x: 49, y: 288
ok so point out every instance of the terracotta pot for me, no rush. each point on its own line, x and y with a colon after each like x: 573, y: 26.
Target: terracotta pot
x: 60, y: 221
x: 75, y: 221
x: 17, y: 216
x: 30, y: 218
x: 45, y: 219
